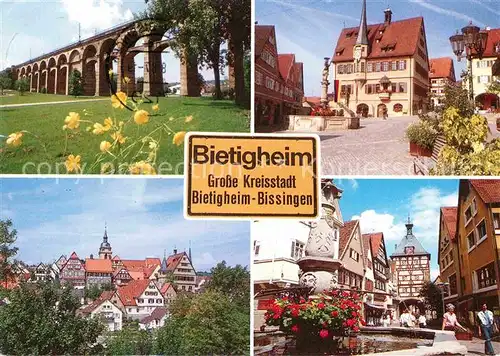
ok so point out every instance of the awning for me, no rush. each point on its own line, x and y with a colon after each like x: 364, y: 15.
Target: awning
x: 374, y: 306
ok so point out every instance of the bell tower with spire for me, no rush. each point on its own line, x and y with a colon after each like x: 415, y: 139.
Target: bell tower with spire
x: 361, y: 51
x: 105, y: 251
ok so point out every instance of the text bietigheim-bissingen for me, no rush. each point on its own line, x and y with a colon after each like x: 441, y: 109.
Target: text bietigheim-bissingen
x: 249, y: 160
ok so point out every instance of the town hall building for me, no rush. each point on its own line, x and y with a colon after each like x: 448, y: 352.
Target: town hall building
x: 383, y: 68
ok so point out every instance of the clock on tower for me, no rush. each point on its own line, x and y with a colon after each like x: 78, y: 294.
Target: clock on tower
x: 357, y: 53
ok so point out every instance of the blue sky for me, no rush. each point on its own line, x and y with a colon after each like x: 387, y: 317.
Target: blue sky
x: 310, y: 28
x: 41, y: 26
x: 383, y: 205
x: 144, y: 217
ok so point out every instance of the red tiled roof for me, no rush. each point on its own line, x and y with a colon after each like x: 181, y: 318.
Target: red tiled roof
x: 441, y: 68
x: 150, y: 262
x: 366, y: 247
x: 403, y: 34
x: 493, y: 39
x: 262, y: 34
x: 285, y: 64
x: 98, y: 265
x: 174, y: 260
x: 106, y: 295
x: 133, y: 290
x: 116, y: 258
x: 345, y: 235
x: 165, y: 288
x: 74, y: 256
x: 488, y: 189
x: 156, y: 314
x: 450, y: 220
x: 376, y: 239
x: 148, y: 271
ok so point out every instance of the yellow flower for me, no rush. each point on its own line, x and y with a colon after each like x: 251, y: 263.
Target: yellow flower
x: 72, y: 121
x: 126, y: 80
x: 98, y: 129
x: 171, y: 118
x: 179, y: 138
x: 15, y: 139
x: 189, y: 118
x: 110, y: 72
x: 107, y: 168
x: 105, y: 146
x: 117, y: 136
x: 118, y: 100
x: 141, y: 117
x: 156, y: 107
x: 153, y: 145
x: 108, y: 123
x: 73, y: 163
x: 141, y: 168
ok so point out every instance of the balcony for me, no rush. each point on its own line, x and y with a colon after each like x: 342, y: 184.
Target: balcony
x: 360, y: 76
x: 384, y: 96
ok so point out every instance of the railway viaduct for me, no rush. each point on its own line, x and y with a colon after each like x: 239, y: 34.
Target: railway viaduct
x: 93, y: 57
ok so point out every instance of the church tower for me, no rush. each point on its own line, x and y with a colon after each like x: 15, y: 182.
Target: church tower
x: 361, y: 51
x: 105, y: 251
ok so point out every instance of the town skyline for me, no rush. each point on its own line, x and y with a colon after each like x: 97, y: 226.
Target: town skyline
x: 328, y: 18
x: 143, y: 217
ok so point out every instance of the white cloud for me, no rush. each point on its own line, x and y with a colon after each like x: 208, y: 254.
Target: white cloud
x: 96, y: 15
x: 426, y: 204
x: 443, y: 11
x: 372, y: 221
x: 434, y: 273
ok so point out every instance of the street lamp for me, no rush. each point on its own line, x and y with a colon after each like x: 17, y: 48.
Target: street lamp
x: 473, y: 41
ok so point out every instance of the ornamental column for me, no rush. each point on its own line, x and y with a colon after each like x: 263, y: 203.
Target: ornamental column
x: 319, y: 267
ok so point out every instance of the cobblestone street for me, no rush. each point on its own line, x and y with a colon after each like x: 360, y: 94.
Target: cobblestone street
x: 476, y: 346
x: 377, y: 148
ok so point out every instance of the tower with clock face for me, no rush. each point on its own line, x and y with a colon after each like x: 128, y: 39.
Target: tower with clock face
x: 361, y: 50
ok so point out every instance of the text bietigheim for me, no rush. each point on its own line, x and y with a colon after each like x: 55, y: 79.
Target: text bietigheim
x: 246, y: 189
x: 250, y: 159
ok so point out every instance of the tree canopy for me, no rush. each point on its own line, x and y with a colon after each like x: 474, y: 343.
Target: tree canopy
x: 41, y: 320
x: 8, y: 237
x: 433, y: 298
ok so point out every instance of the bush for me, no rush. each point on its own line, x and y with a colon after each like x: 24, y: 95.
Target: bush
x: 466, y: 151
x: 75, y: 83
x: 5, y: 83
x: 422, y: 133
x: 43, y: 91
x: 22, y: 86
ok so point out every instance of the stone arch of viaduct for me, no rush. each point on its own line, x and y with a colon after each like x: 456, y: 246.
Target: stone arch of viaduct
x: 93, y: 57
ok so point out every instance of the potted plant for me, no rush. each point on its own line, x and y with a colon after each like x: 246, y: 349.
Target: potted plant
x: 421, y: 135
x: 317, y: 322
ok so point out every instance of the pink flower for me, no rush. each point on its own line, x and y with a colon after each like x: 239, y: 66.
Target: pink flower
x: 323, y: 333
x: 334, y: 314
x: 295, y: 312
x: 321, y: 305
x: 295, y: 328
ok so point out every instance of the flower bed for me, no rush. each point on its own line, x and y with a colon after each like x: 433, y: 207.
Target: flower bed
x: 320, y: 111
x: 330, y: 314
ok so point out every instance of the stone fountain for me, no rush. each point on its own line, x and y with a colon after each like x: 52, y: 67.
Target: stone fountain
x: 319, y: 267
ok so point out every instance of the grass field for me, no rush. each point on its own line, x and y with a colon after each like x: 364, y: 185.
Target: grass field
x: 12, y: 97
x: 46, y: 122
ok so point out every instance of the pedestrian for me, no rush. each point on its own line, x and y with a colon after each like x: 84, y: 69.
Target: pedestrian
x: 405, y: 319
x: 450, y: 321
x: 387, y: 321
x: 413, y: 319
x: 485, y: 318
x: 422, y: 322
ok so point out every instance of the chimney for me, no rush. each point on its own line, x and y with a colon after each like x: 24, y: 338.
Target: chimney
x: 388, y: 16
x: 91, y: 256
x: 175, y: 251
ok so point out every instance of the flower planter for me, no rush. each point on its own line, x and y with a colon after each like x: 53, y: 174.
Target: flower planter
x: 463, y: 335
x: 417, y: 150
x: 313, y: 344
